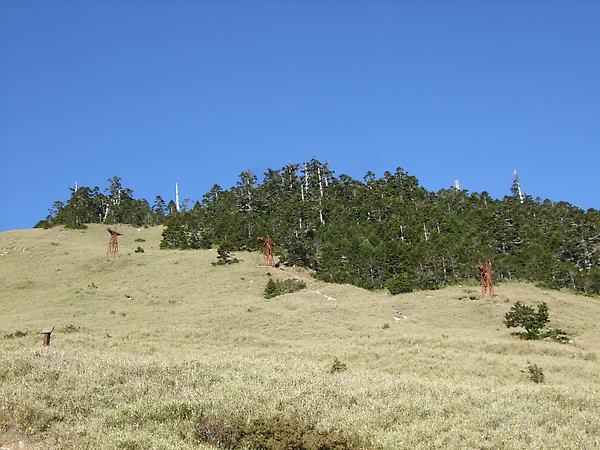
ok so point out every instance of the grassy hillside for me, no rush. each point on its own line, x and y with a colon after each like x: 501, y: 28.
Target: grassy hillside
x: 161, y: 349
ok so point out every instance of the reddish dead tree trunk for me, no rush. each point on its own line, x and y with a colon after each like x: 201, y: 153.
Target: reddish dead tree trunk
x: 268, y: 250
x: 113, y: 245
x: 487, y: 284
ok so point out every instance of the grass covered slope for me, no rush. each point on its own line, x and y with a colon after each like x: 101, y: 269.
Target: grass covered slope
x: 161, y: 349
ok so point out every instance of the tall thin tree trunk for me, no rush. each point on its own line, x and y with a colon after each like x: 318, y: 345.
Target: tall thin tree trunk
x: 320, y: 196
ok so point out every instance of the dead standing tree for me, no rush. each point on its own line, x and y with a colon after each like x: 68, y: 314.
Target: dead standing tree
x: 267, y: 250
x: 113, y: 245
x: 487, y: 284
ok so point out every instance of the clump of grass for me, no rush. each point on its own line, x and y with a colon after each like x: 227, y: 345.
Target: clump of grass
x: 280, y: 287
x: 222, y: 433
x: 139, y: 250
x: 338, y: 366
x: 535, y: 373
x: 16, y: 334
x: 280, y: 432
x: 71, y: 328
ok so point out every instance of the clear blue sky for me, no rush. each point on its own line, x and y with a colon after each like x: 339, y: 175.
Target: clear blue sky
x: 196, y: 92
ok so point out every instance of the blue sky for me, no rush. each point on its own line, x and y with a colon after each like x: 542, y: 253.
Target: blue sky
x: 196, y: 92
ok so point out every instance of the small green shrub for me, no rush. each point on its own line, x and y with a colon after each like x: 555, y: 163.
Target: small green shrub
x: 224, y: 256
x: 280, y: 432
x: 280, y: 287
x: 140, y: 240
x: 556, y: 334
x: 139, y: 250
x: 525, y: 316
x: 271, y: 289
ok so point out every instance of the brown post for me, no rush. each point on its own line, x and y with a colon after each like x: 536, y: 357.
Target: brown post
x: 46, y: 332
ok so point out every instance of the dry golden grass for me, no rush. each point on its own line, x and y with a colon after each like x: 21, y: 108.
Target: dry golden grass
x: 146, y: 342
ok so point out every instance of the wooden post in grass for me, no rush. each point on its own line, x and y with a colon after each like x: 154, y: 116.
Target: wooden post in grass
x: 46, y: 332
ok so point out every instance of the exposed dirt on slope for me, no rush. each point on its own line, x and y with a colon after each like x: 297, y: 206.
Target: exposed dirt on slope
x: 12, y: 440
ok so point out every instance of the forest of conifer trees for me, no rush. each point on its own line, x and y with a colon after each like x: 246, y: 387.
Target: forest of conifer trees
x: 376, y: 233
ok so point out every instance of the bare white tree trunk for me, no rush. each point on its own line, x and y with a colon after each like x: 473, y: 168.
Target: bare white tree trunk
x: 517, y: 185
x: 305, y: 187
x: 320, y: 195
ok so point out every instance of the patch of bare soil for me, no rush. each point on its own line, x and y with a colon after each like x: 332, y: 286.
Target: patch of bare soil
x: 12, y: 440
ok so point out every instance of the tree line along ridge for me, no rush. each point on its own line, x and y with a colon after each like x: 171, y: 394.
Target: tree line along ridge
x: 386, y: 232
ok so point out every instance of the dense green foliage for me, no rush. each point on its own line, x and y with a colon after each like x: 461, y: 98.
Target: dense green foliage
x: 280, y: 287
x: 116, y: 205
x: 391, y: 232
x: 386, y: 232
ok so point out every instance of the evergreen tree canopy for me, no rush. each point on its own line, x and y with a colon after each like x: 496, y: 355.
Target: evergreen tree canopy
x: 89, y: 205
x: 391, y: 232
